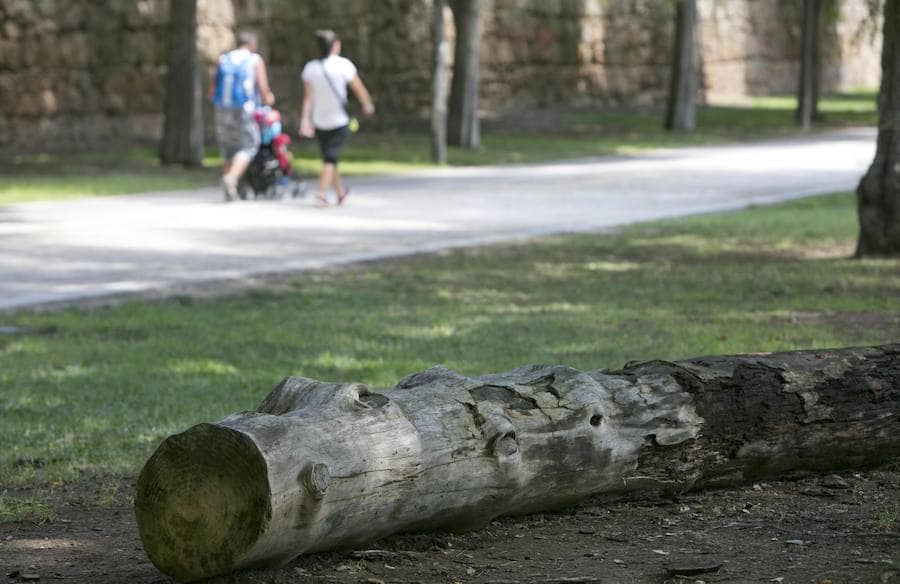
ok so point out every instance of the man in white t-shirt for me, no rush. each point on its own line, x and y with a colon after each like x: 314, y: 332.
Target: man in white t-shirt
x: 324, y: 114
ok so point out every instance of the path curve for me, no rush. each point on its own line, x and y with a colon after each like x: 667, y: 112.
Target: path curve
x: 53, y: 252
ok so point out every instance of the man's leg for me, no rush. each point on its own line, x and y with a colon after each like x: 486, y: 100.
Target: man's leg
x: 235, y: 170
x: 238, y: 166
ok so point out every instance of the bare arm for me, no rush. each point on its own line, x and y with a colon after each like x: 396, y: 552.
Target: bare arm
x: 262, y: 81
x: 213, y: 79
x: 306, y: 126
x: 362, y: 94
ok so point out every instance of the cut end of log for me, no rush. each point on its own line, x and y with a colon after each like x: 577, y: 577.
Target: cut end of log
x: 206, y: 488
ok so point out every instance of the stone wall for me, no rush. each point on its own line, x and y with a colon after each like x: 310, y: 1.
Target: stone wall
x: 748, y: 50
x: 91, y: 72
x: 576, y: 53
x: 80, y: 72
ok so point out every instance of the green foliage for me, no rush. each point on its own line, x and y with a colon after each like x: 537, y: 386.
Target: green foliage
x: 94, y: 392
x: 831, y: 10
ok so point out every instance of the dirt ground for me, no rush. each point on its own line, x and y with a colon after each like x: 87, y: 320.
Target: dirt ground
x: 824, y: 530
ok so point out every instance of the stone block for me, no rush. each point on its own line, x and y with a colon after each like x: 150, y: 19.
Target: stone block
x: 6, y: 139
x: 70, y: 16
x: 74, y: 49
x: 8, y: 93
x: 11, y: 30
x: 47, y: 49
x: 142, y: 48
x: 145, y: 13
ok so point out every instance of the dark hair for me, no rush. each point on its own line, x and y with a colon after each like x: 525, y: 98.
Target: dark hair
x: 246, y: 38
x: 325, y: 40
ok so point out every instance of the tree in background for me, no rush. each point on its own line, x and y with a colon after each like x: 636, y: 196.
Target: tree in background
x: 182, y: 141
x: 808, y: 88
x: 439, y: 86
x: 464, y: 127
x: 878, y: 194
x: 681, y: 110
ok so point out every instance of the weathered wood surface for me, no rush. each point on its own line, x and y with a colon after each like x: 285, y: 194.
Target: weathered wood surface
x: 327, y: 465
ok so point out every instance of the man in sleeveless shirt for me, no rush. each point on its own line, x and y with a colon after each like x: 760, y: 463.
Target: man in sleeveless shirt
x: 241, y: 85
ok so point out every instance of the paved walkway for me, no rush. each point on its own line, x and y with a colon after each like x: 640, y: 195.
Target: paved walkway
x: 60, y: 251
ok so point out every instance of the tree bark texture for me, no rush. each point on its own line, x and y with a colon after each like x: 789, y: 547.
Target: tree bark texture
x: 464, y: 126
x: 182, y: 141
x: 680, y: 114
x: 328, y: 465
x: 878, y: 194
x: 808, y: 88
x: 439, y: 86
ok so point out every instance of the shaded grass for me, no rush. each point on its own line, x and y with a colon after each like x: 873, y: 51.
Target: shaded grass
x: 88, y: 392
x: 596, y: 133
x: 536, y: 137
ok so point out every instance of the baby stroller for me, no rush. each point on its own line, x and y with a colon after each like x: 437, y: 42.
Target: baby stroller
x: 270, y: 175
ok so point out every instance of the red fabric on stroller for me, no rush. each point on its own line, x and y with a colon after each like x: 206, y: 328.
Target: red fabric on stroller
x: 279, y: 147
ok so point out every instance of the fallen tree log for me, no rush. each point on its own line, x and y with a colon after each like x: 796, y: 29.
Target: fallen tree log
x: 327, y: 465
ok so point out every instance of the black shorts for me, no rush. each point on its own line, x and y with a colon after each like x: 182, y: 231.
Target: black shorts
x: 331, y: 142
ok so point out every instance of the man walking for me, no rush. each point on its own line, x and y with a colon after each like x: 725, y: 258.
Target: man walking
x: 324, y: 114
x: 241, y: 83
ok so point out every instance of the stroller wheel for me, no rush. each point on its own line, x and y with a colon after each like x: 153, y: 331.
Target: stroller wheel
x: 243, y: 190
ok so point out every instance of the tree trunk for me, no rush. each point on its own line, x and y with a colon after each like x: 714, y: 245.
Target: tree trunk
x: 327, y: 465
x: 680, y: 114
x: 182, y: 141
x: 808, y: 89
x: 464, y: 127
x: 878, y: 194
x: 439, y: 89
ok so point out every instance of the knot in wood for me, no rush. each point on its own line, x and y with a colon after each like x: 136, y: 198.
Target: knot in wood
x: 506, y: 446
x: 316, y: 480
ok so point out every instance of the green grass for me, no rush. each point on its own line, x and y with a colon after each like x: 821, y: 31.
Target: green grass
x: 598, y: 133
x: 25, y: 189
x: 885, y: 520
x: 25, y: 509
x: 65, y: 176
x: 85, y: 393
x: 573, y: 134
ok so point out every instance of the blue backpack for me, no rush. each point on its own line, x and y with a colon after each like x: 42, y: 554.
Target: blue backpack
x: 235, y: 81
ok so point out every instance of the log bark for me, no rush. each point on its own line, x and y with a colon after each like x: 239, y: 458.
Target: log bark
x: 328, y: 465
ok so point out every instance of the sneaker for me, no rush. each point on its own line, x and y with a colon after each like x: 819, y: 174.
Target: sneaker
x: 229, y: 186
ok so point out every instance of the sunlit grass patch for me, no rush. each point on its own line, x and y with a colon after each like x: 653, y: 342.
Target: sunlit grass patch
x: 92, y: 393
